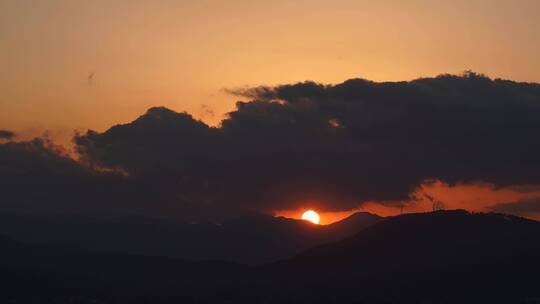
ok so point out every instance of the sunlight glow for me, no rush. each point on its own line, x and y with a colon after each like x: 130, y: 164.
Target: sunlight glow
x: 311, y: 216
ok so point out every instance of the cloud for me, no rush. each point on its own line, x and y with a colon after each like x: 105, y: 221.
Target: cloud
x: 331, y: 147
x: 37, y: 175
x: 6, y: 135
x: 525, y: 188
x: 525, y: 207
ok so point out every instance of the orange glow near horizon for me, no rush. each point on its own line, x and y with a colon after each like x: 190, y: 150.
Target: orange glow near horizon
x: 473, y: 197
x: 325, y: 218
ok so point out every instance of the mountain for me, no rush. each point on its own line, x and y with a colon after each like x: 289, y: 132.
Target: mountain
x: 440, y: 257
x: 269, y: 238
x: 445, y: 256
x: 60, y: 274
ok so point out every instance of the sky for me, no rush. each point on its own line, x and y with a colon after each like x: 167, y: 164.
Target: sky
x: 71, y: 66
x: 91, y: 64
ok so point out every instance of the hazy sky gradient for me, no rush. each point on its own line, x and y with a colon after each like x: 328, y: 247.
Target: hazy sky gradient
x: 181, y: 54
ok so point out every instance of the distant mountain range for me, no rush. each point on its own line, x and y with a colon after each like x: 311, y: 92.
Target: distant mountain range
x: 440, y: 257
x: 250, y: 239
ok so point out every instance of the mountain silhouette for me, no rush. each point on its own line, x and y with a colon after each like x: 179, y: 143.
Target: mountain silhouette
x: 250, y: 239
x: 60, y: 274
x: 440, y: 257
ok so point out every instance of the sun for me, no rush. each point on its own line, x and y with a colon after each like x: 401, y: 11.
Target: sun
x: 311, y: 216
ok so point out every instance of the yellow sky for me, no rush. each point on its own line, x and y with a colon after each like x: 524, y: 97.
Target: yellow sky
x: 181, y: 54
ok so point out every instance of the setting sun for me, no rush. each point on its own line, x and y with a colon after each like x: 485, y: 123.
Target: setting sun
x: 311, y: 216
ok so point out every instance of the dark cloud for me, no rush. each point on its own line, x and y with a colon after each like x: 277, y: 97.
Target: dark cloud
x: 525, y: 188
x: 36, y: 175
x: 331, y: 146
x: 526, y: 207
x: 7, y: 135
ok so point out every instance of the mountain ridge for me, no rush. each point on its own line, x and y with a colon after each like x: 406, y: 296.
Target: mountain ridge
x: 271, y: 238
x: 470, y: 258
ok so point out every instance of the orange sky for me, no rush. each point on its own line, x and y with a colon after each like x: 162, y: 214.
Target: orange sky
x: 181, y: 54
x: 475, y: 197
